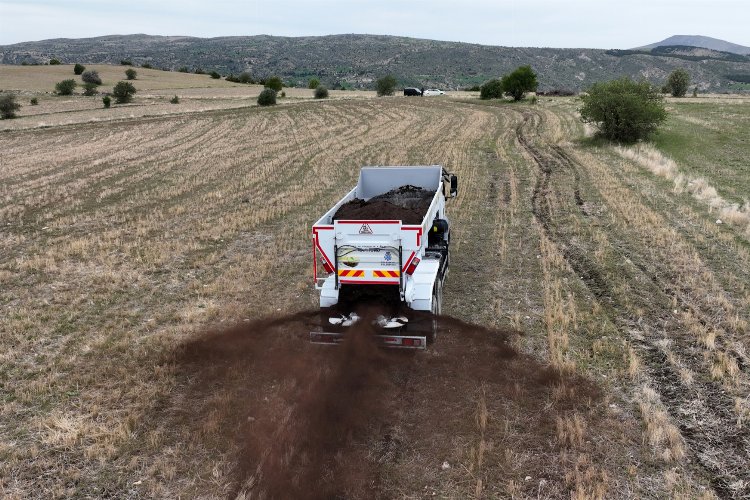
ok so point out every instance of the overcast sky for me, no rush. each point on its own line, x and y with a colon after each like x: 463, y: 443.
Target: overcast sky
x: 536, y: 23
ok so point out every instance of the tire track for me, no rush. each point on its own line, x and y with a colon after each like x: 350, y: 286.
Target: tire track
x: 703, y: 411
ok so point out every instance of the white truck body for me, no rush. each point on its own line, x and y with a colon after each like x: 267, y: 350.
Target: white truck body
x: 366, y: 252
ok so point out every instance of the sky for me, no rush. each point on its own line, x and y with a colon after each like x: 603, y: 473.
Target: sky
x: 602, y: 24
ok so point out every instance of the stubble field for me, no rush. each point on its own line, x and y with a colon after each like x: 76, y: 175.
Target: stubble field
x: 125, y: 242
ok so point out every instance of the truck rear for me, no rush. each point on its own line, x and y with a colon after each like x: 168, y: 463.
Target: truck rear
x: 385, y: 245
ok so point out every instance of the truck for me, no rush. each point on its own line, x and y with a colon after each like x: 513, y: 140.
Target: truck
x: 385, y: 246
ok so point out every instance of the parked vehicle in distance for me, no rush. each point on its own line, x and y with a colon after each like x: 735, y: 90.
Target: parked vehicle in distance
x: 429, y: 92
x: 411, y: 91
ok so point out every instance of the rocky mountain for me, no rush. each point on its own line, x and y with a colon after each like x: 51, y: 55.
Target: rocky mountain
x: 355, y: 61
x: 705, y: 42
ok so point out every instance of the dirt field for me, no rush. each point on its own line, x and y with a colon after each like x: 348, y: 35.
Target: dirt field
x: 141, y: 257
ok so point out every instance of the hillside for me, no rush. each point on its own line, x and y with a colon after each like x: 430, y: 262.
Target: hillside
x: 355, y: 61
x: 705, y: 42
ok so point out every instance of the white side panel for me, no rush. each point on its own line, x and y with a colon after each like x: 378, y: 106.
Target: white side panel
x: 419, y: 286
x: 378, y: 180
x: 329, y: 296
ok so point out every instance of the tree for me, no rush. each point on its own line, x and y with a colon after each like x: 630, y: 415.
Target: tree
x: 321, y: 92
x: 8, y: 106
x: 90, y: 89
x: 623, y: 110
x: 54, y: 62
x: 678, y: 82
x: 123, y: 92
x: 91, y: 76
x: 79, y: 68
x: 522, y: 80
x: 126, y: 62
x: 385, y: 85
x: 313, y: 83
x: 275, y: 83
x: 267, y: 97
x: 491, y: 90
x: 184, y: 69
x: 130, y: 74
x: 65, y: 87
x: 106, y: 101
x: 215, y: 75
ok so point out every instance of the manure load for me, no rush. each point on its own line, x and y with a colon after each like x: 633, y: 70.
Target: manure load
x: 384, y: 248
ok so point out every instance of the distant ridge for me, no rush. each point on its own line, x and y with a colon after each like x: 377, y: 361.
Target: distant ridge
x: 704, y: 42
x: 356, y: 61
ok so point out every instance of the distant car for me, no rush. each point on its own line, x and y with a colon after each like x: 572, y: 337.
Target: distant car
x: 412, y: 91
x: 433, y: 92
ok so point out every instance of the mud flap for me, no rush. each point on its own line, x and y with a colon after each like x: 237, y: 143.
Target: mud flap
x: 395, y: 341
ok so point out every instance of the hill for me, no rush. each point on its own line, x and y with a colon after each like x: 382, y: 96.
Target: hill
x: 705, y: 42
x: 355, y: 61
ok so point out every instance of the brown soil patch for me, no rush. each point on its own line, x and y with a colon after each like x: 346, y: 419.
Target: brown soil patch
x: 359, y: 421
x: 406, y: 203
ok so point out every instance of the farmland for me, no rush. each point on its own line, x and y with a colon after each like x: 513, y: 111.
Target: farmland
x: 126, y: 237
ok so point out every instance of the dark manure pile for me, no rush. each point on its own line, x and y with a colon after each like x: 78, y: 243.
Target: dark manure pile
x: 407, y: 203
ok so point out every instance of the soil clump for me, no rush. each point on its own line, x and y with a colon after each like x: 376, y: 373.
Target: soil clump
x: 407, y: 203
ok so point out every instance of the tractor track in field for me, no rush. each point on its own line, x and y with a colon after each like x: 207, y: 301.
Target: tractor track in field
x: 713, y: 440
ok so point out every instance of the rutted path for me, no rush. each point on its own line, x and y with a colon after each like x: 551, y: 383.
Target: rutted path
x: 702, y: 409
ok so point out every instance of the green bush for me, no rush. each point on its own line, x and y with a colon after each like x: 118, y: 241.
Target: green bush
x: 91, y: 77
x: 146, y: 66
x: 126, y: 62
x: 65, y: 87
x: 522, y: 80
x: 274, y: 83
x: 175, y: 100
x: 491, y: 90
x: 245, y: 77
x: 130, y: 74
x: 385, y: 85
x: 8, y: 106
x: 678, y: 83
x: 78, y: 68
x: 313, y: 83
x: 54, y: 62
x: 623, y: 110
x: 184, y: 69
x: 90, y: 89
x: 321, y: 92
x: 107, y: 101
x: 199, y: 71
x: 34, y: 101
x: 267, y: 97
x: 123, y: 92
x: 215, y: 75
x: 474, y: 88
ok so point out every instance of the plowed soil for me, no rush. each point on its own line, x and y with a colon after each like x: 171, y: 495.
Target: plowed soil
x: 406, y: 203
x: 311, y: 421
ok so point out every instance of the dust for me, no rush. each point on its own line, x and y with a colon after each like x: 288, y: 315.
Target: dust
x: 310, y: 421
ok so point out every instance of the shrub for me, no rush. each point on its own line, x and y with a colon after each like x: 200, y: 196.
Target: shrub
x: 522, y: 80
x: 91, y: 77
x: 8, y: 106
x: 385, y: 85
x: 491, y: 90
x: 107, y: 101
x: 146, y: 66
x: 123, y: 92
x: 79, y: 68
x: 34, y: 101
x: 245, y: 77
x: 267, y: 97
x: 130, y: 74
x: 126, y: 62
x: 215, y: 75
x: 313, y: 83
x: 65, y: 87
x: 274, y: 83
x: 184, y: 69
x: 474, y: 88
x: 175, y: 100
x: 54, y: 62
x: 282, y: 94
x: 90, y: 89
x: 678, y: 82
x: 321, y: 92
x: 695, y: 91
x: 623, y: 110
x: 199, y: 71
